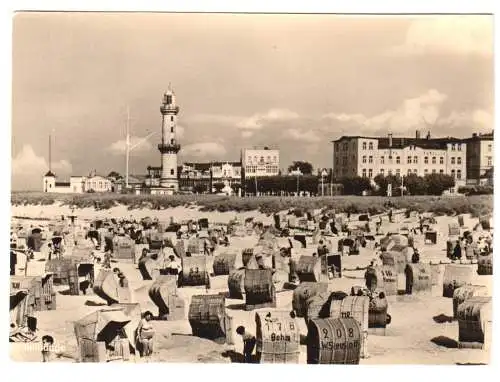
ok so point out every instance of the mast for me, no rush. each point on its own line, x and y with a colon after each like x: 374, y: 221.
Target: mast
x: 127, y: 147
x: 50, y: 152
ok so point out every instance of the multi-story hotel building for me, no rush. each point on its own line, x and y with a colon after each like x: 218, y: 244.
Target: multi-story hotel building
x: 370, y: 156
x: 260, y: 162
x: 479, y: 157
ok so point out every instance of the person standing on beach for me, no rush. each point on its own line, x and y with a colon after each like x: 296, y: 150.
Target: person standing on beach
x: 371, y: 277
x: 145, y: 334
x: 249, y: 342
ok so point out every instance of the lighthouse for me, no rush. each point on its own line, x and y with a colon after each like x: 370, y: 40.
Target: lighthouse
x: 169, y: 147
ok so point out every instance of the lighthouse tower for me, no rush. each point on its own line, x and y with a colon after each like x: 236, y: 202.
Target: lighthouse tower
x: 169, y: 147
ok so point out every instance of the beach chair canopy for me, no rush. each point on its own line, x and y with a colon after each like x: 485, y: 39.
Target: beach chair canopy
x: 103, y: 324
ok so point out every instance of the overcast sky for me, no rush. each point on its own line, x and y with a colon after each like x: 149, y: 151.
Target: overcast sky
x: 290, y: 81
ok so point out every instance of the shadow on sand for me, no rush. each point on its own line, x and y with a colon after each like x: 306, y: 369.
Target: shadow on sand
x: 445, y: 342
x: 236, y: 357
x: 94, y: 303
x: 442, y: 318
x: 236, y: 306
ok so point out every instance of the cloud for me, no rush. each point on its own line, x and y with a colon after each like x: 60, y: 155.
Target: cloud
x: 258, y: 120
x: 472, y: 34
x: 119, y: 147
x: 479, y: 120
x: 247, y: 134
x: 28, y: 169
x: 303, y: 136
x: 180, y: 131
x: 215, y: 119
x: 412, y: 113
x: 204, y: 149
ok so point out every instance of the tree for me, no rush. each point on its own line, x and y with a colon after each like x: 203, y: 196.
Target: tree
x: 236, y: 187
x: 199, y: 188
x: 355, y: 185
x: 219, y: 186
x: 305, y: 168
x: 383, y: 181
x: 415, y: 185
x: 437, y: 183
x: 115, y: 175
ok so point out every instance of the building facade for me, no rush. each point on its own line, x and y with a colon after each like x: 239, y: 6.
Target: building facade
x: 201, y: 175
x: 77, y: 184
x: 260, y: 162
x: 371, y: 156
x: 480, y: 159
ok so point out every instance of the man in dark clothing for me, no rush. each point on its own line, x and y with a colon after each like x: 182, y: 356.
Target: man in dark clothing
x: 108, y: 244
x: 415, y: 258
x: 334, y: 229
x: 322, y: 248
x: 409, y: 279
x: 371, y: 277
x: 13, y: 263
x: 249, y: 342
x: 457, y: 251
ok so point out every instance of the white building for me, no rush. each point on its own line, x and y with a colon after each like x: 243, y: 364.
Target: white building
x: 371, y: 156
x: 260, y: 162
x: 201, y: 174
x: 77, y: 184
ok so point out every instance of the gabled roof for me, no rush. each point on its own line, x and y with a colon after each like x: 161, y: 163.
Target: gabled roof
x: 50, y: 173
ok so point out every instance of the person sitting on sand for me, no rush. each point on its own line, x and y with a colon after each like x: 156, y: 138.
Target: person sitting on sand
x: 106, y: 263
x: 260, y: 261
x: 173, y: 267
x: 47, y: 344
x: 249, y: 342
x: 322, y: 248
x: 145, y: 335
x: 122, y: 279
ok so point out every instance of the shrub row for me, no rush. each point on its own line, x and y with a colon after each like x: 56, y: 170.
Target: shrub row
x: 441, y: 205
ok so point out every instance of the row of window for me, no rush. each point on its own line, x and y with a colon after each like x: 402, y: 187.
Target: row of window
x: 269, y: 169
x: 364, y: 172
x: 458, y: 146
x: 100, y: 185
x: 370, y: 145
x: 261, y: 160
x: 409, y: 160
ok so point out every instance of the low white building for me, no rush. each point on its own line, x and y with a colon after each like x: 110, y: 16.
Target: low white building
x: 77, y: 184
